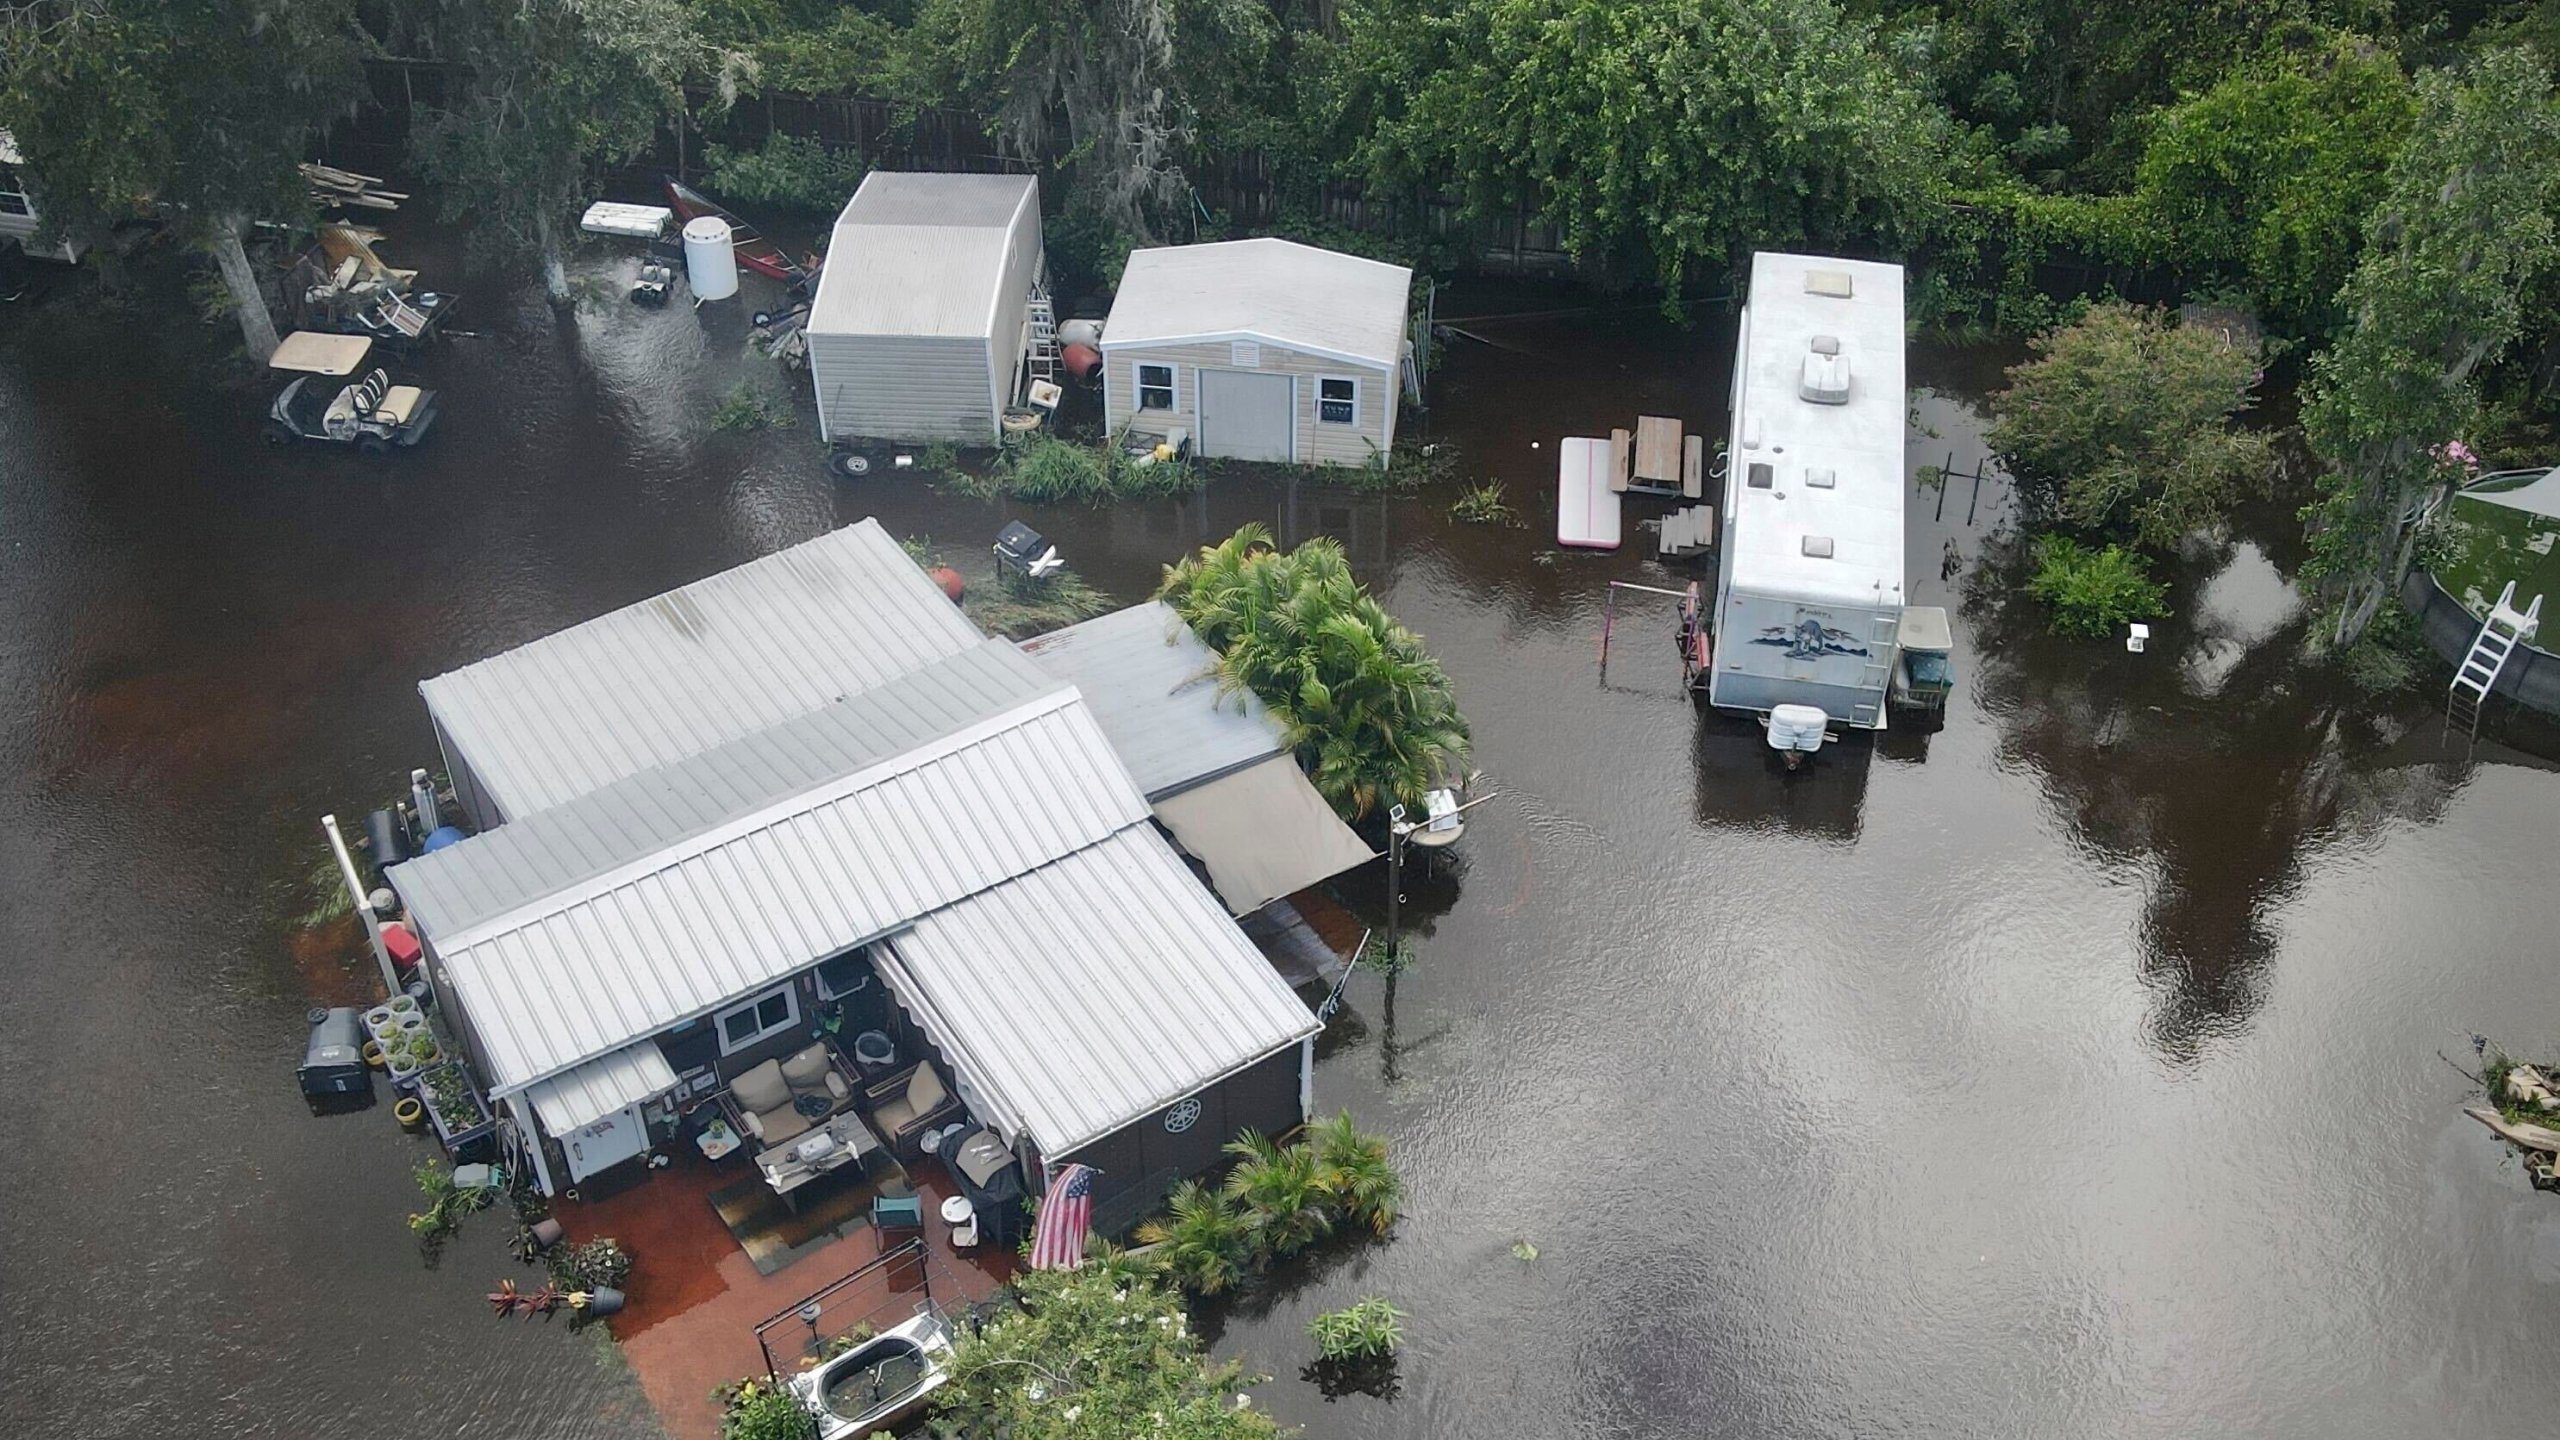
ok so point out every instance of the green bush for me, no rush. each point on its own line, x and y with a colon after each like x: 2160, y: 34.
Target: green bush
x: 1093, y: 1353
x: 761, y: 1409
x: 1206, y: 1239
x: 1047, y: 470
x: 2090, y: 591
x: 1366, y: 1330
x: 790, y: 173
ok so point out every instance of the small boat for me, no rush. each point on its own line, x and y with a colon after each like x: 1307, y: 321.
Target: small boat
x: 754, y: 251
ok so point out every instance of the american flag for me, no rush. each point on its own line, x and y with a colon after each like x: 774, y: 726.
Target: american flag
x: 1066, y: 1218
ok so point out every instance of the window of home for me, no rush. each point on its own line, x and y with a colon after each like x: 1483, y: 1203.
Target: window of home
x: 1155, y: 387
x: 13, y: 196
x: 759, y: 1019
x: 1338, y: 401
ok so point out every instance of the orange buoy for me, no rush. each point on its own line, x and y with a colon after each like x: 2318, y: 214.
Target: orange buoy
x: 950, y: 581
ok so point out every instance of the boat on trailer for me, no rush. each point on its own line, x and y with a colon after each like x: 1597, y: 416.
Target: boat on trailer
x: 754, y: 251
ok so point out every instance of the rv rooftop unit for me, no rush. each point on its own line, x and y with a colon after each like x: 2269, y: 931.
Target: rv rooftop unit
x: 1809, y: 585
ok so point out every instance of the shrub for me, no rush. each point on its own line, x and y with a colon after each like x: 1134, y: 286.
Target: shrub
x: 2090, y: 591
x: 789, y: 173
x: 1284, y: 1190
x: 599, y: 1264
x: 1092, y: 1353
x: 763, y: 1409
x: 1483, y: 504
x: 747, y: 408
x: 1354, y: 1167
x: 1207, y: 1241
x: 1276, y: 1201
x: 1047, y: 470
x: 1366, y: 1330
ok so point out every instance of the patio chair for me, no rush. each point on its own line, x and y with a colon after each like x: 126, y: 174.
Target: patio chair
x: 901, y: 1212
x: 768, y: 1097
x: 908, y: 1104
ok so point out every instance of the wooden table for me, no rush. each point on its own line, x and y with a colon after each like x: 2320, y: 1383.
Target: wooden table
x: 786, y: 1172
x: 1657, y: 450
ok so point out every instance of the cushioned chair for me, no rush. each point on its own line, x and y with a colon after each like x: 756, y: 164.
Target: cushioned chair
x: 768, y: 1097
x: 909, y: 1103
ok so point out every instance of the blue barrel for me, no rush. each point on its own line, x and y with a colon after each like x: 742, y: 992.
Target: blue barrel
x: 442, y: 836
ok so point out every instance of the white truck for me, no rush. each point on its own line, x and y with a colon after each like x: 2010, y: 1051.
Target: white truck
x: 1809, y: 579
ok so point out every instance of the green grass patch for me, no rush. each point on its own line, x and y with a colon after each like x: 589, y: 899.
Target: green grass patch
x: 2092, y: 592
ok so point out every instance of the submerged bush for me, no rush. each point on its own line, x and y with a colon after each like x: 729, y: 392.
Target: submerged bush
x: 1368, y: 1329
x: 1275, y: 1202
x: 1048, y: 470
x: 2091, y: 592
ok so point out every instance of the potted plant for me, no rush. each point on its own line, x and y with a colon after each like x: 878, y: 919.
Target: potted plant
x: 458, y: 1113
x: 403, y: 1005
x: 409, y: 1113
x: 380, y: 1022
x: 373, y: 1057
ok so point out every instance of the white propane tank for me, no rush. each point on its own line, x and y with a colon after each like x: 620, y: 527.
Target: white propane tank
x: 1081, y: 332
x: 710, y: 258
x: 1797, y: 727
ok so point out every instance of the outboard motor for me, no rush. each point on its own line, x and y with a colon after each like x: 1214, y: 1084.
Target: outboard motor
x: 333, y: 1072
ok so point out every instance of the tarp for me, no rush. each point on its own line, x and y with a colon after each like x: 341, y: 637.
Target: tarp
x: 1263, y: 832
x: 2536, y: 495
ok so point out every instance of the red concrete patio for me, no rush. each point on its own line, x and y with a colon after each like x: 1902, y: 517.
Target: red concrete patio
x: 695, y: 1297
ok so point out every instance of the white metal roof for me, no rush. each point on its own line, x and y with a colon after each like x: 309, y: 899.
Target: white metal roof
x: 673, y: 934
x: 1319, y: 301
x: 574, y: 1099
x: 694, y: 668
x: 921, y: 254
x: 1092, y: 992
x: 1154, y: 687
x: 1859, y: 442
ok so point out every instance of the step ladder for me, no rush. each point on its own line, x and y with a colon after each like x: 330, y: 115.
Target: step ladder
x: 2477, y: 675
x: 1040, y: 323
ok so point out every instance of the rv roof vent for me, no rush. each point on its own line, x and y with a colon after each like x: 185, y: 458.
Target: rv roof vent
x: 1826, y: 379
x: 1831, y: 283
x: 1826, y: 344
x: 1761, y: 475
x: 1822, y: 477
x: 1817, y: 547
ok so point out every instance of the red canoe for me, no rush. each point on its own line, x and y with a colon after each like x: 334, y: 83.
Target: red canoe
x: 754, y: 251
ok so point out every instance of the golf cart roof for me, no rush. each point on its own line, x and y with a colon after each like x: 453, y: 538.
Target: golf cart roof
x: 315, y: 354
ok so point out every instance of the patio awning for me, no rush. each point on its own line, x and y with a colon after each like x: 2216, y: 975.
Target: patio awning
x: 574, y: 1099
x: 1263, y: 832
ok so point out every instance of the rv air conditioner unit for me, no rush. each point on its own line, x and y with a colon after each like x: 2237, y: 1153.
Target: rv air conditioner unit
x: 1826, y: 373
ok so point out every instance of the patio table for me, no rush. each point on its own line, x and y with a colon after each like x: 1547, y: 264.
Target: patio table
x: 786, y: 1169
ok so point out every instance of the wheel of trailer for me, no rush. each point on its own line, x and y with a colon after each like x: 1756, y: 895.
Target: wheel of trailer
x: 851, y: 464
x: 372, y: 444
x: 276, y: 436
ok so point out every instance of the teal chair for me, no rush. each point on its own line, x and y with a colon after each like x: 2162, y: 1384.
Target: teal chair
x: 897, y: 1211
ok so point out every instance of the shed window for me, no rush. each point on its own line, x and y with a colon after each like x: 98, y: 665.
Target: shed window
x: 13, y: 194
x: 766, y: 1015
x: 1155, y: 387
x: 1338, y: 400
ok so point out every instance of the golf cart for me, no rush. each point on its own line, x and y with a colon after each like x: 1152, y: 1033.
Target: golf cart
x: 371, y: 413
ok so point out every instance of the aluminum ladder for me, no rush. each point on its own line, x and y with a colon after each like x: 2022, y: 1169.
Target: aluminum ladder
x: 1041, y: 321
x: 2500, y: 634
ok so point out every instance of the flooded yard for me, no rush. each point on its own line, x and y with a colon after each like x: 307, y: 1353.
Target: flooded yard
x: 2071, y: 1071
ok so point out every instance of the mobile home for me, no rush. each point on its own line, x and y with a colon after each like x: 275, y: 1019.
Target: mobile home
x: 18, y: 217
x: 1259, y: 350
x: 924, y: 313
x: 1809, y: 584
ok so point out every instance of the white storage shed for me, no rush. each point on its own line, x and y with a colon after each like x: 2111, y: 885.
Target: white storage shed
x: 1261, y: 349
x: 18, y: 217
x: 923, y: 312
x: 1809, y: 584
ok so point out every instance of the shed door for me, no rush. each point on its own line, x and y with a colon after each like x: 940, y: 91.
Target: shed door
x: 1248, y: 416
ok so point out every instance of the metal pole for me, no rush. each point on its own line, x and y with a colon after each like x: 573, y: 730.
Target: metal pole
x: 364, y: 905
x: 1395, y: 875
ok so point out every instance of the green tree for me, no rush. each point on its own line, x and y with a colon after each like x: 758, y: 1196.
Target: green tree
x: 1663, y: 135
x: 1371, y: 715
x: 2265, y: 177
x: 2122, y: 422
x: 2463, y: 231
x: 553, y: 89
x: 1092, y: 1354
x: 201, y: 109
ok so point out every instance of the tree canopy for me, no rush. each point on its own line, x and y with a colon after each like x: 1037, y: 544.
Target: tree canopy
x: 1095, y: 1354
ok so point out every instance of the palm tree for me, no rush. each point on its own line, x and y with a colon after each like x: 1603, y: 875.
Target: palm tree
x: 1207, y: 1241
x: 1355, y: 1169
x: 1283, y: 1192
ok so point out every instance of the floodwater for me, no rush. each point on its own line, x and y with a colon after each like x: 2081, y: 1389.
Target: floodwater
x: 2071, y: 1071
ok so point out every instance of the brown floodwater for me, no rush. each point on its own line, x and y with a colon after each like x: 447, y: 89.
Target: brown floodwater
x: 2129, y: 984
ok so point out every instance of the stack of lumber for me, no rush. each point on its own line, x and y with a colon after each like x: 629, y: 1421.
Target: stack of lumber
x: 331, y: 186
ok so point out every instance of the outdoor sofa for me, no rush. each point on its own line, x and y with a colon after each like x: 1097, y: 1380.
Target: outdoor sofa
x: 767, y: 1098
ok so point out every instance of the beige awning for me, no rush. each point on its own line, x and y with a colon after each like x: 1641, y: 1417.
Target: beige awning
x: 1263, y: 832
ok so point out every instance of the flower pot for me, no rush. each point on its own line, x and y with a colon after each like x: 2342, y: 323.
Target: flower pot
x: 402, y: 1005
x: 401, y: 1064
x: 373, y: 1056
x: 410, y: 1112
x: 603, y: 1300
x: 380, y: 1022
x: 546, y: 1232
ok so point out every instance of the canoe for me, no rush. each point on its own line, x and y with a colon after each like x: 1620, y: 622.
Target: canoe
x: 754, y: 251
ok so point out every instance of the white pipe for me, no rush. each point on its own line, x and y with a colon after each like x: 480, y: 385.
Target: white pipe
x: 364, y: 905
x: 1307, y: 1081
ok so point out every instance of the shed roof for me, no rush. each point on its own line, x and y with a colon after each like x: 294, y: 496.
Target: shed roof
x: 695, y: 668
x: 922, y: 255
x: 1092, y: 992
x: 1154, y: 687
x: 1859, y: 442
x: 1319, y: 301
x: 676, y: 932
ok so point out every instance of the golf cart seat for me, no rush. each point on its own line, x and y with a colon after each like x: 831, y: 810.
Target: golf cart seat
x: 370, y: 390
x: 340, y: 420
x: 399, y: 404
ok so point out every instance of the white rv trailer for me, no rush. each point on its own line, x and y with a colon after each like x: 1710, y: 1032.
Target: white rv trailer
x: 1809, y: 584
x: 18, y: 218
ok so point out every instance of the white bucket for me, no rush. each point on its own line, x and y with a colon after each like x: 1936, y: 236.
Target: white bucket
x: 710, y: 258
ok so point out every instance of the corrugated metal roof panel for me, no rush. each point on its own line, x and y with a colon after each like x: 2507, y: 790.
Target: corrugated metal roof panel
x: 1154, y: 687
x: 462, y: 886
x: 692, y: 669
x: 673, y: 934
x: 1277, y: 290
x: 1095, y: 991
x: 577, y: 1098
